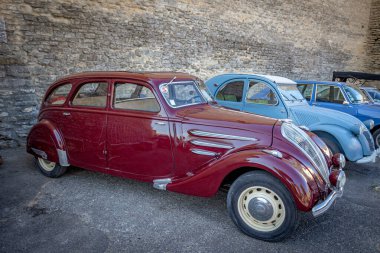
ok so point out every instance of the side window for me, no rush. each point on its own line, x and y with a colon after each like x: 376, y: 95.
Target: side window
x: 306, y: 90
x: 58, y: 95
x: 232, y: 92
x: 92, y: 94
x: 260, y: 93
x: 130, y: 96
x: 330, y: 94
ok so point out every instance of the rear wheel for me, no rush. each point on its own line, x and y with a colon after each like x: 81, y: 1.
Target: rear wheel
x: 262, y: 207
x: 50, y: 169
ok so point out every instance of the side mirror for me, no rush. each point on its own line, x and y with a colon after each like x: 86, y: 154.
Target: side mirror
x: 345, y: 103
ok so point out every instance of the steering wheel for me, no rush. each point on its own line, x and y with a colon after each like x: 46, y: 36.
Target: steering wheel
x: 190, y: 100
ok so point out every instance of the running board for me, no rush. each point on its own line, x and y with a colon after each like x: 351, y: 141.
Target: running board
x: 161, y: 184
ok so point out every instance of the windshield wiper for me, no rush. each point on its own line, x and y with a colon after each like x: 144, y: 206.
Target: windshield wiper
x: 299, y: 99
x: 285, y: 96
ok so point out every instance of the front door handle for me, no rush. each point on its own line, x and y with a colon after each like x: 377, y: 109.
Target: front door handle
x: 66, y: 114
x: 160, y: 123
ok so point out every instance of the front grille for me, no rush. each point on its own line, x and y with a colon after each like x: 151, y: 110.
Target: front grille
x: 369, y: 138
x: 303, y: 142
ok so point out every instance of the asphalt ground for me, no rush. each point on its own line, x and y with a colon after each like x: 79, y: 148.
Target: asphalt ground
x: 85, y: 211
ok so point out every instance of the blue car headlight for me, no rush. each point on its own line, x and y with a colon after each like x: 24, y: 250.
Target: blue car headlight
x: 370, y: 124
x: 358, y: 129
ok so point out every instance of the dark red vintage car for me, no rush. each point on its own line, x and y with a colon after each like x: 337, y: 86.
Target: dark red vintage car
x: 162, y: 128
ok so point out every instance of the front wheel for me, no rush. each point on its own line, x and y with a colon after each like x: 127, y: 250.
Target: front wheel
x: 376, y: 138
x: 262, y: 207
x: 50, y: 169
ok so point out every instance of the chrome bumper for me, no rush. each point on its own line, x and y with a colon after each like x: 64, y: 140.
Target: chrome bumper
x: 371, y: 158
x: 322, y: 207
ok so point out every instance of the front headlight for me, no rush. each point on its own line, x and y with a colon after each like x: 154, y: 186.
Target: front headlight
x: 370, y: 124
x: 304, y: 143
x: 358, y: 129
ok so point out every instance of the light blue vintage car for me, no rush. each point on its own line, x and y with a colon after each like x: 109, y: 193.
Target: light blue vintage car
x: 280, y: 98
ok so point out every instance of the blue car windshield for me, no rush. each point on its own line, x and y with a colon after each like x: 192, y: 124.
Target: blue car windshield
x: 375, y: 94
x: 355, y: 95
x: 290, y: 93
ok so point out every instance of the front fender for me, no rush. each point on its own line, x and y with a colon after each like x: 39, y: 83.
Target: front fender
x: 350, y: 143
x: 296, y: 177
x: 46, y: 141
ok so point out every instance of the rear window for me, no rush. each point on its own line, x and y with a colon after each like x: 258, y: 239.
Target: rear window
x: 58, y: 95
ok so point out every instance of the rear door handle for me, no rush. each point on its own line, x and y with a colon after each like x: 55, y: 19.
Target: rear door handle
x: 66, y: 114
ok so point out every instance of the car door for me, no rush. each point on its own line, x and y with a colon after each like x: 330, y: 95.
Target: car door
x: 261, y: 98
x: 230, y: 94
x: 138, y: 141
x: 332, y: 97
x: 84, y: 124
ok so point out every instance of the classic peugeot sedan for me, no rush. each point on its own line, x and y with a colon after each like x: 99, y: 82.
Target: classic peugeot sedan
x: 278, y: 97
x: 346, y: 98
x: 161, y: 128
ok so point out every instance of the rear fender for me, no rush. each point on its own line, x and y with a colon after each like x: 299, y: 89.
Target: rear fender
x: 46, y: 141
x: 296, y: 177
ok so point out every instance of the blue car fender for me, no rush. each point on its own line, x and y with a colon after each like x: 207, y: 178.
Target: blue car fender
x: 348, y: 142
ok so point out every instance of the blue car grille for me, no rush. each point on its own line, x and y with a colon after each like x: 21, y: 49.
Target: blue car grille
x: 369, y: 138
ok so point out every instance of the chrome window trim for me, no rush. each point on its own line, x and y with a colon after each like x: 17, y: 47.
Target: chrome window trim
x: 210, y: 144
x: 221, y: 136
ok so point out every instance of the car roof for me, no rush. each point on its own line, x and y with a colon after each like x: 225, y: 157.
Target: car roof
x: 150, y: 76
x: 275, y: 79
x: 320, y: 82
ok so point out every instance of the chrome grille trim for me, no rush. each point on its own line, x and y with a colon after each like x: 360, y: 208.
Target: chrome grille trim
x: 220, y: 136
x: 324, y: 171
x: 210, y: 144
x: 370, y: 140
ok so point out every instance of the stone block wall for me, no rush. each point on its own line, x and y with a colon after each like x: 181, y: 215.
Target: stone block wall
x: 42, y: 40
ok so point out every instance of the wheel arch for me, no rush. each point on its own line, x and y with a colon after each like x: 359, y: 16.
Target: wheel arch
x: 45, y: 140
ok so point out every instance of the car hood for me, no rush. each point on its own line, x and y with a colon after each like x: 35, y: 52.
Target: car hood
x: 222, y: 117
x: 371, y: 111
x: 312, y: 116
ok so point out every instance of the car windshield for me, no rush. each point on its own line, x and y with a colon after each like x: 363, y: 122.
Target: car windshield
x: 290, y: 93
x: 355, y: 95
x: 183, y: 93
x: 375, y: 94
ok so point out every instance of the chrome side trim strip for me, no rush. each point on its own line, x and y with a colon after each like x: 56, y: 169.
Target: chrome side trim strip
x: 40, y: 153
x: 161, y: 184
x: 203, y: 152
x: 62, y: 156
x: 221, y: 136
x: 210, y: 144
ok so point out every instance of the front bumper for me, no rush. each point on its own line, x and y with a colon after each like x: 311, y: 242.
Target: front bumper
x: 337, y: 192
x: 371, y: 158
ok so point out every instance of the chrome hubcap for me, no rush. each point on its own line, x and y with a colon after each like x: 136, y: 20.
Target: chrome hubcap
x: 261, y: 208
x: 46, y: 165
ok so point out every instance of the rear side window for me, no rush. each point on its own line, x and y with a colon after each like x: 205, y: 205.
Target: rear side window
x: 306, y: 90
x: 129, y: 96
x: 232, y: 92
x: 92, y: 95
x: 58, y: 95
